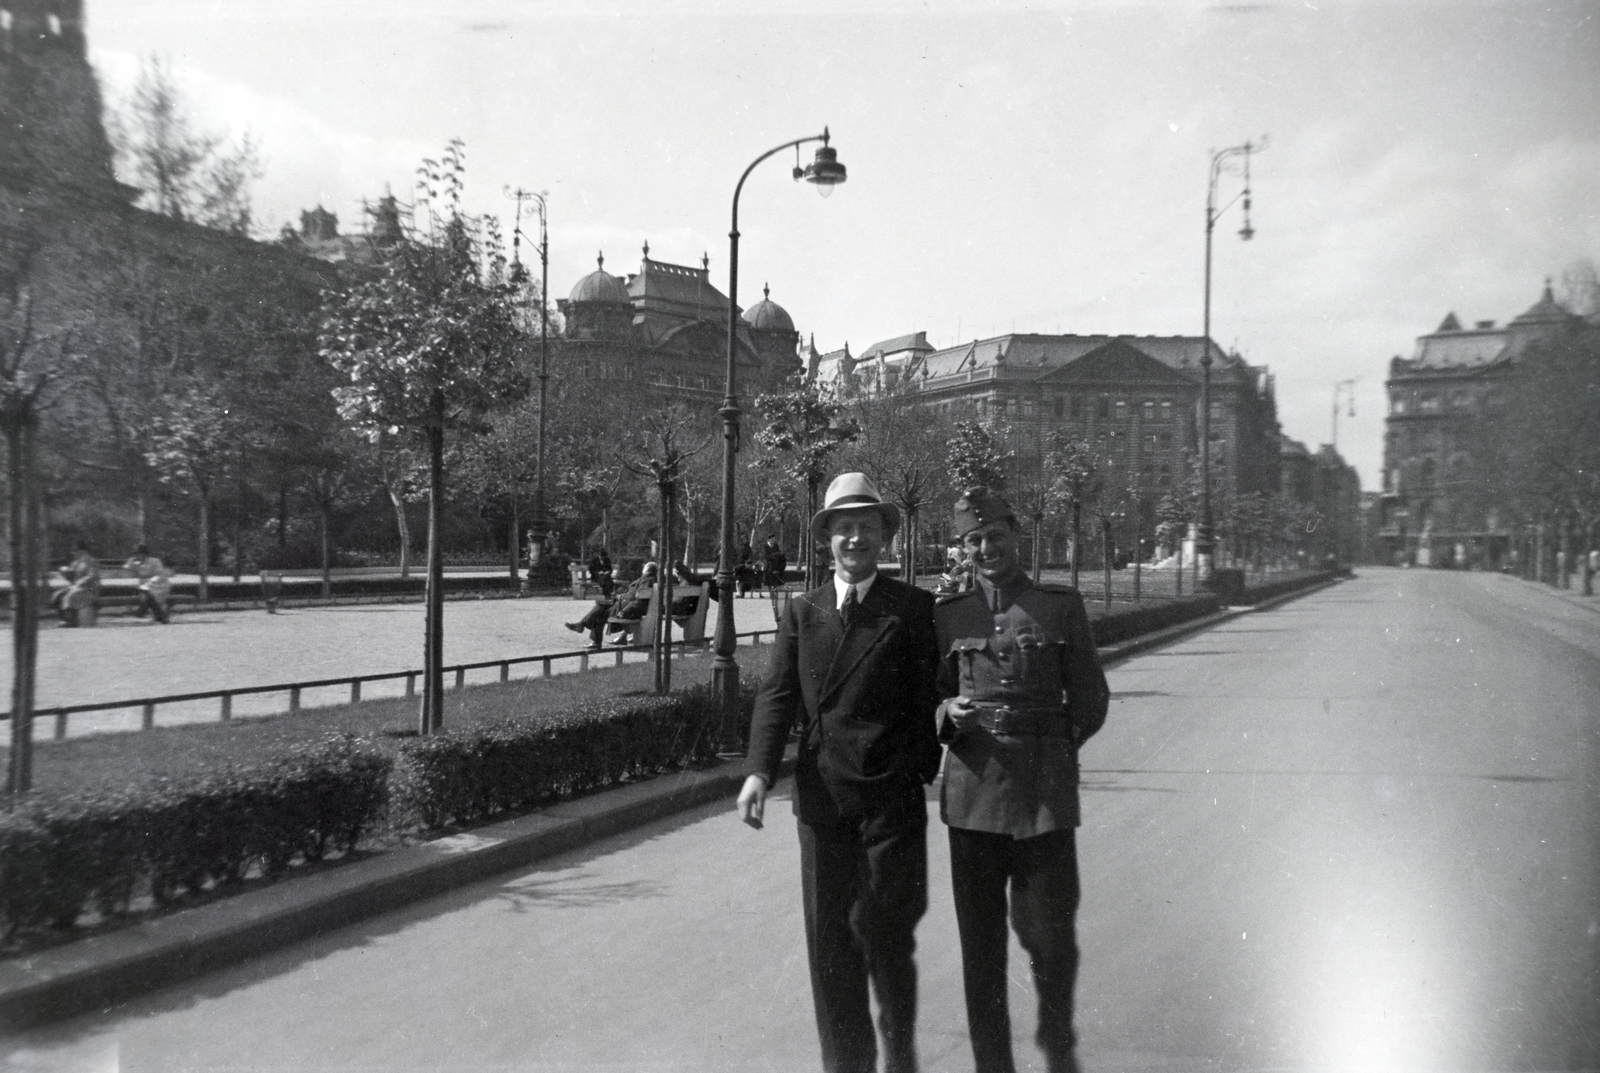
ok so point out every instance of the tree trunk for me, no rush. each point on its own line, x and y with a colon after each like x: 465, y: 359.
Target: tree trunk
x: 661, y: 640
x: 514, y: 544
x: 806, y: 542
x: 432, y: 718
x: 404, y: 528
x: 327, y: 557
x: 283, y: 516
x: 238, y: 525
x: 24, y: 604
x: 1105, y: 555
x: 1138, y: 558
x: 1182, y: 533
x: 1564, y: 555
x: 1038, y: 523
x: 204, y: 565
x: 1077, y: 540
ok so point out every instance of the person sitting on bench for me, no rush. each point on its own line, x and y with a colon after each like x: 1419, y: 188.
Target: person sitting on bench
x: 632, y: 605
x: 689, y: 583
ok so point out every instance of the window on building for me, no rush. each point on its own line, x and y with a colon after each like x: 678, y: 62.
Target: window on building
x: 1428, y: 404
x: 1397, y: 405
x: 1149, y: 409
x: 1165, y: 439
x: 1027, y: 407
x: 1075, y: 407
x: 1000, y: 407
x: 1151, y: 440
x: 1102, y: 407
x: 1166, y: 409
x: 1166, y: 474
x: 1122, y: 409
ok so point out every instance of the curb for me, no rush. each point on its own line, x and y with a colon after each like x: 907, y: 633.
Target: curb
x: 1122, y: 650
x: 103, y: 970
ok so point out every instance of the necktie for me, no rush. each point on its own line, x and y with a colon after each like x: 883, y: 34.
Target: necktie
x: 848, y: 609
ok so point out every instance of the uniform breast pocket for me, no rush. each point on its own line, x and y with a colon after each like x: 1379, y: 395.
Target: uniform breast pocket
x: 1041, y: 654
x: 971, y: 651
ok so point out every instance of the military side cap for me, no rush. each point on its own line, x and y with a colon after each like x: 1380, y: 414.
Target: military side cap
x: 977, y: 507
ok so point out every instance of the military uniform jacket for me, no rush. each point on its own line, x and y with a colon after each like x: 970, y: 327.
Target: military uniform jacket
x: 1027, y: 653
x: 865, y: 699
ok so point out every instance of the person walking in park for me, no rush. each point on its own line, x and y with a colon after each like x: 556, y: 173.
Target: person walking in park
x: 776, y: 564
x: 601, y: 573
x: 1024, y: 691
x: 155, y: 584
x: 854, y: 661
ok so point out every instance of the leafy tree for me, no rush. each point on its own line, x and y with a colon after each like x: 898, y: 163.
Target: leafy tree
x: 186, y: 173
x: 902, y: 447
x: 1178, y: 508
x: 193, y: 448
x: 428, y: 346
x: 807, y: 423
x: 658, y: 452
x: 976, y: 456
x: 1077, y: 484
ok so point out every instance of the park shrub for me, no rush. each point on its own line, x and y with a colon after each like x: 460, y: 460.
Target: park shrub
x: 465, y: 776
x: 1123, y: 625
x: 1254, y: 594
x: 61, y: 854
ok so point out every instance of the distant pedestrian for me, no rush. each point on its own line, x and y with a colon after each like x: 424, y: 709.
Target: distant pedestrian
x: 155, y: 584
x: 601, y: 573
x: 777, y: 564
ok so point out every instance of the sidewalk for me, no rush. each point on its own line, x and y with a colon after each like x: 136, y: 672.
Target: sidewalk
x: 105, y: 969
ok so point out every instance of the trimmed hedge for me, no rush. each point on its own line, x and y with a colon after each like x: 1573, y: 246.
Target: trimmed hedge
x: 1124, y: 625
x: 60, y: 855
x: 466, y: 776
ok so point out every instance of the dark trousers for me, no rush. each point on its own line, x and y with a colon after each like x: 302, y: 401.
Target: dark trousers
x: 1043, y: 876
x: 865, y: 886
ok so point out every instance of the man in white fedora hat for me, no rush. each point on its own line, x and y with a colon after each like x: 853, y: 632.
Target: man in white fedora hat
x: 855, y: 663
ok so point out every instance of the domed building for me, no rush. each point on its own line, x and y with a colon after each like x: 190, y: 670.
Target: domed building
x: 666, y: 326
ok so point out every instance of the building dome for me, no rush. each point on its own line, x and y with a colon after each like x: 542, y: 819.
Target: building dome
x: 768, y: 316
x: 600, y: 286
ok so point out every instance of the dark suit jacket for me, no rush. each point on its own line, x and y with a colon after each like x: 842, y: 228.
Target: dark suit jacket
x: 865, y: 699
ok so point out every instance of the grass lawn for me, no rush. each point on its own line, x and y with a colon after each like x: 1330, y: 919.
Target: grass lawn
x: 131, y: 757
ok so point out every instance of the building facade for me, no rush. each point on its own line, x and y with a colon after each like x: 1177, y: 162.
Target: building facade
x: 666, y: 327
x: 1136, y: 398
x: 1437, y: 507
x: 1331, y: 486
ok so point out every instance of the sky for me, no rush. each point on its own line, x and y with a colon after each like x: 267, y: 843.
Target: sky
x: 1012, y: 166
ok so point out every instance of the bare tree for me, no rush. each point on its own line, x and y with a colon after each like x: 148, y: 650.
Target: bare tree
x: 186, y: 173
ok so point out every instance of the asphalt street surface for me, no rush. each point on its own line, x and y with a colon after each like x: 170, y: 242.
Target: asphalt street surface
x: 1355, y: 832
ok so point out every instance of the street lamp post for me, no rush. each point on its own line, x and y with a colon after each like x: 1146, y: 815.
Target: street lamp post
x: 825, y: 172
x: 539, y: 524
x: 1203, y: 544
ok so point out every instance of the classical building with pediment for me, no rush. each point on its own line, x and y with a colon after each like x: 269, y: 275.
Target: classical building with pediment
x: 1136, y: 398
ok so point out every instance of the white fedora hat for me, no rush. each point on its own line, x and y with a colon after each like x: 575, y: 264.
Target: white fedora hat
x: 853, y: 491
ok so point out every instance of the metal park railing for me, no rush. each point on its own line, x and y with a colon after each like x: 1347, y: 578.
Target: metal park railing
x: 293, y: 690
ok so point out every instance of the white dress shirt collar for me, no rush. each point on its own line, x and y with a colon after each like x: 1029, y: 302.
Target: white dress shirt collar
x: 861, y: 587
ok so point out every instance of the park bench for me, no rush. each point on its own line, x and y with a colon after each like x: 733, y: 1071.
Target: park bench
x: 628, y: 631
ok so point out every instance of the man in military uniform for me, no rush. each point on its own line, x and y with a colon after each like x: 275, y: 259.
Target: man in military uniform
x: 1023, y: 690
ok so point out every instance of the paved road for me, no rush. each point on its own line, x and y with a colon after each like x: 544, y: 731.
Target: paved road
x: 1357, y: 832
x: 202, y: 650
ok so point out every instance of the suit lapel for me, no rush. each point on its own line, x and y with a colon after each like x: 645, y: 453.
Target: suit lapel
x: 872, y: 620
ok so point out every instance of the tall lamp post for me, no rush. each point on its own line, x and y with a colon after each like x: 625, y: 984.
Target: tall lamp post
x: 825, y: 172
x: 539, y: 524
x: 1204, y: 545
